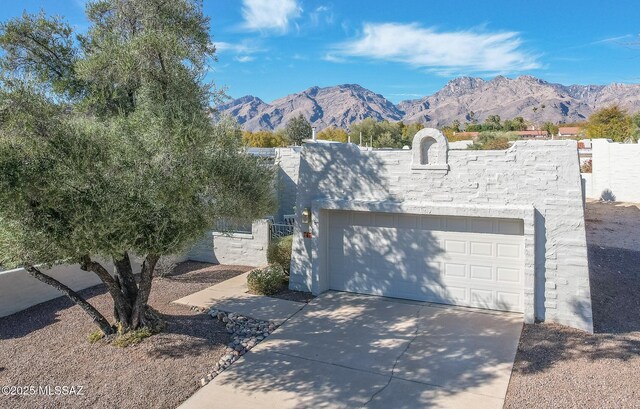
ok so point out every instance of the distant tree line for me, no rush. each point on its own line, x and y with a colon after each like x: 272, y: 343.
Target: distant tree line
x: 379, y: 134
x: 611, y: 122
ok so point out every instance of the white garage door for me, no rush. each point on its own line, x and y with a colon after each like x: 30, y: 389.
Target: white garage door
x: 476, y: 262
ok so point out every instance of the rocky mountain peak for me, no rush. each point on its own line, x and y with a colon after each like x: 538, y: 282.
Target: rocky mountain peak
x: 534, y: 99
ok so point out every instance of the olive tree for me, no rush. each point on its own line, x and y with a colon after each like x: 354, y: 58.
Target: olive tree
x: 108, y: 149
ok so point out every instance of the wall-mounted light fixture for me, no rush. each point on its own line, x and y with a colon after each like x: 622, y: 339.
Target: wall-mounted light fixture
x: 306, y: 215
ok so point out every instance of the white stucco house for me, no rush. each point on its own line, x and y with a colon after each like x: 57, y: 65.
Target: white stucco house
x: 501, y: 230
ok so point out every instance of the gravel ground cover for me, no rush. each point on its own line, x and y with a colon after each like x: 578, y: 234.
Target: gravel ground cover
x: 560, y: 367
x: 47, y: 345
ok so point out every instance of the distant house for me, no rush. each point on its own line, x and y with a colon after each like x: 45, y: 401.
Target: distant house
x: 532, y: 134
x: 569, y: 131
x: 466, y: 134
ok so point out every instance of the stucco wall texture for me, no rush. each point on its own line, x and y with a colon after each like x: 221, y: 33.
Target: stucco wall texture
x: 615, y: 172
x: 541, y: 175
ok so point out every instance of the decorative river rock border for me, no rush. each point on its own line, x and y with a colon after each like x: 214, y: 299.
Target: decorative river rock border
x: 245, y: 334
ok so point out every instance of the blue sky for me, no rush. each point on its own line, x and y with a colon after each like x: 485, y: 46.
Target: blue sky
x: 408, y: 49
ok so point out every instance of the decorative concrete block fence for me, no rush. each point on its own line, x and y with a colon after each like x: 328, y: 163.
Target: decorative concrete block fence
x: 249, y: 249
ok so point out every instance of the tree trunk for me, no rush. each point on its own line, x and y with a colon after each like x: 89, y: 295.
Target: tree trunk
x: 144, y: 289
x: 88, y: 308
x: 129, y: 299
x: 124, y: 274
x: 122, y: 306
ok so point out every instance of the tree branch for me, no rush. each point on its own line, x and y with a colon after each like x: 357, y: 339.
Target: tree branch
x: 98, y: 318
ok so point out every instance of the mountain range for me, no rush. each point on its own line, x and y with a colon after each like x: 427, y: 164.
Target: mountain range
x: 463, y: 98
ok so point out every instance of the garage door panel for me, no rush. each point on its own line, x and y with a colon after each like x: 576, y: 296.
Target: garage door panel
x: 481, y: 248
x: 394, y: 255
x: 455, y: 270
x: 455, y: 246
x: 509, y: 250
x: 477, y: 272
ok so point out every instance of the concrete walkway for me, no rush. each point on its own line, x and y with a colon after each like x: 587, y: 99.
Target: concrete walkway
x: 232, y: 296
x: 344, y: 350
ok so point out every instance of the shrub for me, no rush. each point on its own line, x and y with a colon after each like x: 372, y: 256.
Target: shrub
x: 133, y: 337
x: 586, y: 167
x: 267, y: 281
x: 95, y: 336
x: 492, y: 141
x: 279, y: 252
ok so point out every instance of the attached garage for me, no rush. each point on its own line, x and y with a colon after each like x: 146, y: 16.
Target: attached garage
x: 467, y: 261
x: 501, y: 230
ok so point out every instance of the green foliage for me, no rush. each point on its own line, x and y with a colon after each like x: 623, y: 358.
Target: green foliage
x: 492, y: 141
x: 267, y: 281
x: 297, y: 130
x: 263, y: 139
x: 132, y: 338
x: 333, y: 134
x: 551, y: 128
x: 636, y: 122
x: 133, y: 162
x: 516, y: 124
x: 42, y: 47
x: 95, y: 336
x: 611, y: 123
x: 384, y: 134
x: 279, y: 252
x: 493, y: 123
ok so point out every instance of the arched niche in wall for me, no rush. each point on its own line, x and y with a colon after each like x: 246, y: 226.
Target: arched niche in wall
x: 429, y: 150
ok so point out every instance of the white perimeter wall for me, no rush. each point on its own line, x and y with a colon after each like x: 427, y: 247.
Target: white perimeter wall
x: 616, y: 172
x: 18, y: 290
x: 288, y: 162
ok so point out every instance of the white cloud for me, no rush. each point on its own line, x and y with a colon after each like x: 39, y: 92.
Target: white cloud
x: 321, y: 14
x: 244, y: 58
x: 244, y: 47
x: 441, y: 52
x: 269, y: 15
x: 242, y: 52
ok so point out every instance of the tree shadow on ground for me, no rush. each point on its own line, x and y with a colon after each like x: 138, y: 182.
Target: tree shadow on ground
x: 192, y: 276
x: 200, y: 272
x: 348, y: 350
x: 197, y: 335
x: 24, y: 322
x: 615, y: 291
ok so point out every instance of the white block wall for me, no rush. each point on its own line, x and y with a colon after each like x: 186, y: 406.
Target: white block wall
x: 237, y: 248
x: 542, y: 174
x: 288, y: 162
x: 616, y: 171
x: 19, y: 291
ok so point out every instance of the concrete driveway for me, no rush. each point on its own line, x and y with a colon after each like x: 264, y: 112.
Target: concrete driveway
x: 346, y: 350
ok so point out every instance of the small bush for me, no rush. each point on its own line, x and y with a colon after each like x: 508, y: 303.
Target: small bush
x: 493, y: 141
x: 133, y: 337
x: 279, y: 252
x: 95, y: 336
x: 165, y: 266
x: 267, y: 281
x: 586, y: 167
